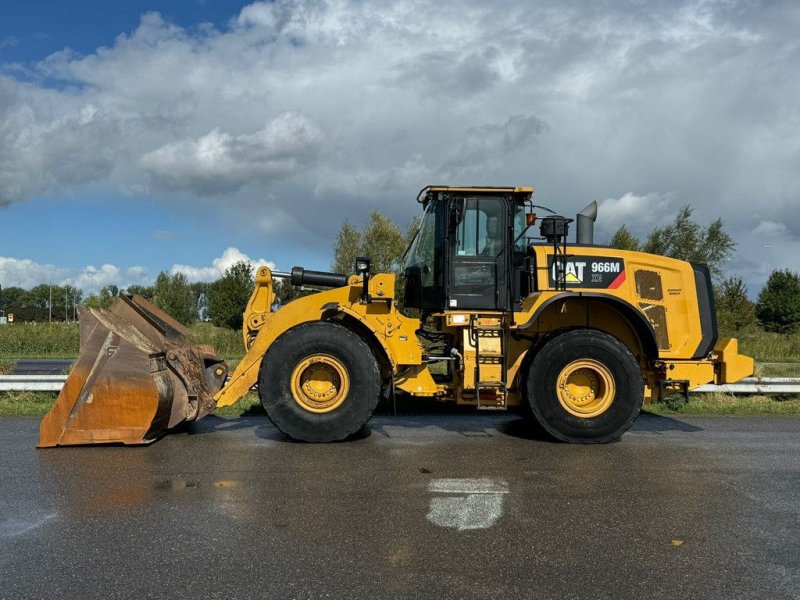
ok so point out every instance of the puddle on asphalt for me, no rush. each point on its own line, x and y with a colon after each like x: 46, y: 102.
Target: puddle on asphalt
x: 175, y: 485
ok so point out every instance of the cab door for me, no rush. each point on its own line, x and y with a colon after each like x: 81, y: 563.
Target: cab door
x: 477, y: 270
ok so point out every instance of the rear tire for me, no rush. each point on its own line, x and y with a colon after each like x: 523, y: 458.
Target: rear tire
x: 585, y: 387
x: 319, y: 382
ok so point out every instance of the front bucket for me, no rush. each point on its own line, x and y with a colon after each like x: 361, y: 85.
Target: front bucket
x: 135, y: 378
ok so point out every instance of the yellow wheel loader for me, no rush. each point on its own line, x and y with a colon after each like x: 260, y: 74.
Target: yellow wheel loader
x: 577, y: 335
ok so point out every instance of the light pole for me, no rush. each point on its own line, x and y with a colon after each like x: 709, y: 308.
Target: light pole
x: 50, y: 304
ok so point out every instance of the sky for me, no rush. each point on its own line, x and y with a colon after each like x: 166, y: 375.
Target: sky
x: 183, y: 136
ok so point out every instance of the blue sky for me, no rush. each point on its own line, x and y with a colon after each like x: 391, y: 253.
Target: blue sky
x: 90, y: 228
x: 32, y: 30
x: 183, y: 136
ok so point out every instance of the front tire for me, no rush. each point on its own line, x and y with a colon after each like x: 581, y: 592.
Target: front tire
x: 585, y: 387
x: 319, y: 382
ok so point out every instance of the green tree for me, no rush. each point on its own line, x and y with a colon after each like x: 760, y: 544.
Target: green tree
x: 147, y: 292
x: 111, y: 290
x: 285, y: 292
x: 39, y: 296
x: 173, y: 295
x: 104, y: 298
x: 735, y: 311
x: 384, y: 243
x: 685, y: 239
x: 778, y: 305
x: 381, y: 240
x: 12, y: 297
x: 623, y: 239
x: 228, y: 295
x: 346, y: 248
x: 72, y: 297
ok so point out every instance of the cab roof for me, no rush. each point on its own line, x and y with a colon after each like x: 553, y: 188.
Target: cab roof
x: 425, y: 194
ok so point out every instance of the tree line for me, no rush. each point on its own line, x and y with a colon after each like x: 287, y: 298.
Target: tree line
x: 777, y: 308
x: 42, y: 303
x: 222, y: 301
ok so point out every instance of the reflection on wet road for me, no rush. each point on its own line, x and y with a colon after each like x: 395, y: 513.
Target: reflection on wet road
x: 430, y: 505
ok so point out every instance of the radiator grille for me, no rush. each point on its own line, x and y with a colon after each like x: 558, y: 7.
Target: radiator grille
x: 648, y: 285
x: 657, y: 315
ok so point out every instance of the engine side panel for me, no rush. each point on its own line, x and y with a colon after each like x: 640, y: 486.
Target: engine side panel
x: 663, y: 291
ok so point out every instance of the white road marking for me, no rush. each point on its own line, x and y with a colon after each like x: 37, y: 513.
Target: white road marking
x: 15, y: 528
x: 466, y: 503
x: 467, y: 486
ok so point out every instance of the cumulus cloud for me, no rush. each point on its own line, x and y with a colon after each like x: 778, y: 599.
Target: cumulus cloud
x: 771, y: 229
x: 220, y: 162
x: 25, y: 273
x: 640, y: 213
x: 218, y: 266
x: 313, y: 110
x: 47, y: 148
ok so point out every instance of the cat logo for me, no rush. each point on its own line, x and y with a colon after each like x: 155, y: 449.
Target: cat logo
x: 573, y: 271
x: 602, y: 272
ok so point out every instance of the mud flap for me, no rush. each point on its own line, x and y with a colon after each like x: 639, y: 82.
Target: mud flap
x: 135, y: 378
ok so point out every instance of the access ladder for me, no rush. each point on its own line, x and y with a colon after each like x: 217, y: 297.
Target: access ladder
x: 489, y: 336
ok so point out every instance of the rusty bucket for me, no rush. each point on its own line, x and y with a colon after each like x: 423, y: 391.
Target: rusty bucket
x: 135, y: 378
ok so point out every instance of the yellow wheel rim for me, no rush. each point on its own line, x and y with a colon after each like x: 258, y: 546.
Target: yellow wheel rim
x: 586, y: 388
x: 320, y: 383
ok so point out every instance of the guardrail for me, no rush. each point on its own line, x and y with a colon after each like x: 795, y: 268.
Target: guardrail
x: 752, y: 385
x: 755, y: 385
x: 32, y: 383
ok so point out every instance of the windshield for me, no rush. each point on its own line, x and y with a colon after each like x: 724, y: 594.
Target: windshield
x: 420, y: 254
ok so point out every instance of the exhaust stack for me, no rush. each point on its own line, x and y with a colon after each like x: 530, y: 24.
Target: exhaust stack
x: 586, y: 219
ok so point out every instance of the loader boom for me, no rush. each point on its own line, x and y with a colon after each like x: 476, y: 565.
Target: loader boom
x: 394, y: 336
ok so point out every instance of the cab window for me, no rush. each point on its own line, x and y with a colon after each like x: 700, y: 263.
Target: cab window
x: 479, y: 232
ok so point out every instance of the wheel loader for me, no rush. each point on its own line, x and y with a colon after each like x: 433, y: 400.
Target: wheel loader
x: 576, y: 335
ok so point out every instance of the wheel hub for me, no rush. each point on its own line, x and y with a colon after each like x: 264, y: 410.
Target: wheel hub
x: 586, y: 388
x: 320, y: 383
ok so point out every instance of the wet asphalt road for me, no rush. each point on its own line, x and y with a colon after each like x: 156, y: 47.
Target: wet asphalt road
x: 42, y: 366
x: 425, y: 506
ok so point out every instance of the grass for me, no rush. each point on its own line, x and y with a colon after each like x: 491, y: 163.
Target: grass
x: 37, y: 404
x: 778, y: 369
x: 39, y: 340
x: 226, y: 342
x: 247, y: 406
x: 62, y: 340
x: 727, y: 404
x: 26, y: 404
x: 769, y: 347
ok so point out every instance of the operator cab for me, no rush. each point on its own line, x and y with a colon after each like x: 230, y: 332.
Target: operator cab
x: 469, y: 253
